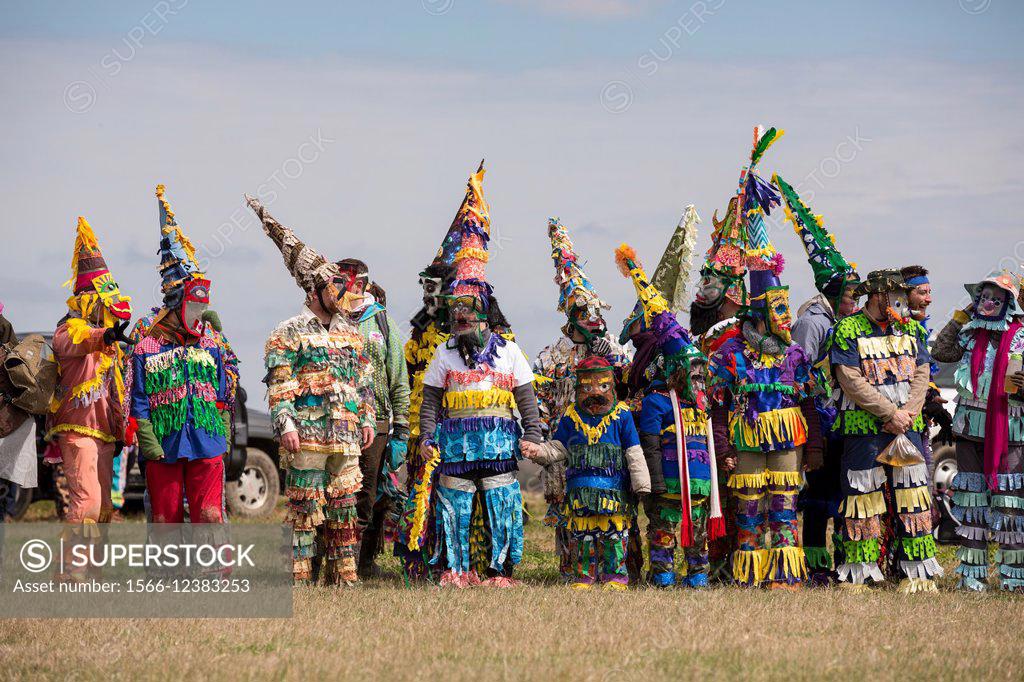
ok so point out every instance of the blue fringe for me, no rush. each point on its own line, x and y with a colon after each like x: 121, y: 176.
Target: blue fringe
x: 969, y: 482
x: 454, y: 512
x: 969, y: 571
x: 505, y: 515
x: 1008, y: 482
x: 472, y: 424
x: 483, y: 468
x: 1008, y: 571
x: 979, y: 515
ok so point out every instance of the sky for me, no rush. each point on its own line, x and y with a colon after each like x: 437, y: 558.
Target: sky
x: 358, y: 123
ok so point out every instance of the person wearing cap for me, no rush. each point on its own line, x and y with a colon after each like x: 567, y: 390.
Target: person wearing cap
x: 323, y: 411
x: 836, y: 280
x: 605, y: 468
x: 183, y: 377
x: 986, y: 340
x: 880, y: 360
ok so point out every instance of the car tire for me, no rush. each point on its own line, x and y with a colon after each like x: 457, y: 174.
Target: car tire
x: 254, y: 494
x: 21, y: 503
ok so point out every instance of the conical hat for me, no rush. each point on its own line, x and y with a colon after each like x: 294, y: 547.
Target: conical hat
x: 310, y: 269
x: 574, y: 287
x: 177, y: 255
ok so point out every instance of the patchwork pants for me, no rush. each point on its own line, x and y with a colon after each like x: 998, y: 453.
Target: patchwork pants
x: 765, y: 486
x: 985, y: 515
x: 565, y: 541
x: 500, y: 517
x: 325, y: 530
x: 819, y: 500
x: 664, y: 513
x: 600, y: 556
x: 863, y: 508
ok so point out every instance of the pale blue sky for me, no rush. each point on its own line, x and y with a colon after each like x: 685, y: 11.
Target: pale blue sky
x: 364, y: 119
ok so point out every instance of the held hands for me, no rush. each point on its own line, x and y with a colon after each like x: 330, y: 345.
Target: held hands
x: 290, y: 441
x: 529, y: 449
x: 1017, y: 379
x: 729, y: 463
x: 900, y: 422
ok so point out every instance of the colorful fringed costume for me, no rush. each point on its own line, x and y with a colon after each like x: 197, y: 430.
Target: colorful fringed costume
x: 89, y: 401
x: 604, y: 467
x: 468, y: 431
x: 672, y: 417
x: 833, y: 275
x: 988, y: 424
x: 183, y: 378
x: 765, y: 414
x: 320, y: 387
x: 881, y: 367
x: 585, y: 333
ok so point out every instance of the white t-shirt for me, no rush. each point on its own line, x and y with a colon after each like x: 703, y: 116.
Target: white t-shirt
x: 448, y: 371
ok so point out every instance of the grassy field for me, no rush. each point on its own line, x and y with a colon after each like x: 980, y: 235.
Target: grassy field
x: 386, y: 630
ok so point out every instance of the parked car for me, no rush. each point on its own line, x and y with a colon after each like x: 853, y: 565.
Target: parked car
x: 250, y: 470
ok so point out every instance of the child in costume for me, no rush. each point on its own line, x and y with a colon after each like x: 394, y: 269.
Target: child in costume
x: 89, y: 401
x: 584, y: 333
x: 987, y: 340
x: 183, y: 378
x: 605, y: 464
x: 879, y: 358
x: 836, y: 280
x: 673, y: 427
x: 323, y: 410
x: 468, y: 432
x: 765, y: 416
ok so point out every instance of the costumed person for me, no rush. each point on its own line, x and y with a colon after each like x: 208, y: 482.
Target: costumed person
x: 673, y: 425
x: 764, y: 414
x: 836, y: 280
x: 987, y: 341
x: 605, y: 468
x: 383, y: 347
x: 584, y: 334
x: 183, y: 380
x: 18, y: 462
x: 879, y: 358
x: 468, y: 431
x: 319, y: 386
x: 89, y: 402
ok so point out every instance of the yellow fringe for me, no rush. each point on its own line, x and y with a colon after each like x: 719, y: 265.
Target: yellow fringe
x: 864, y: 506
x: 85, y: 239
x: 594, y: 433
x: 540, y: 379
x: 492, y: 397
x: 84, y: 430
x: 786, y: 478
x: 695, y: 421
x: 787, y: 424
x: 78, y: 330
x: 421, y: 499
x: 793, y: 560
x: 746, y: 561
x: 886, y: 346
x: 913, y: 499
x: 759, y: 480
x: 616, y: 522
x: 475, y: 254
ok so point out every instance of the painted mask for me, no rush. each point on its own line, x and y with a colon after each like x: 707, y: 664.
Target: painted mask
x: 111, y: 296
x: 432, y: 288
x: 595, y: 392
x: 194, y: 302
x: 710, y: 289
x: 898, y: 307
x: 992, y: 303
x: 780, y: 319
x: 466, y: 313
x: 587, y: 323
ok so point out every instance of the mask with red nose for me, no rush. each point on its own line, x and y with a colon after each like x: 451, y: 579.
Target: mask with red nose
x: 194, y: 302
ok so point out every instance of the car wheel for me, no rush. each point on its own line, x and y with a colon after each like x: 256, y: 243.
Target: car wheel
x: 944, y: 470
x: 21, y: 503
x: 255, y: 492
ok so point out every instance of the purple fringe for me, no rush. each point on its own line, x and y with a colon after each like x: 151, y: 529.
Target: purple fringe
x: 470, y: 424
x: 480, y: 467
x: 490, y: 351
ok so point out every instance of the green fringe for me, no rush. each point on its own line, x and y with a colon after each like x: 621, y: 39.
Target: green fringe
x: 1009, y: 556
x: 168, y: 418
x: 776, y: 387
x: 700, y: 487
x: 479, y: 539
x: 306, y: 478
x: 673, y: 486
x: 863, y: 423
x: 671, y: 514
x: 818, y: 558
x: 696, y: 512
x: 963, y: 498
x: 206, y: 416
x: 596, y: 456
x: 1006, y: 501
x: 919, y: 548
x: 974, y: 557
x: 345, y: 514
x: 856, y: 326
x: 861, y: 551
x: 598, y: 500
x: 164, y: 379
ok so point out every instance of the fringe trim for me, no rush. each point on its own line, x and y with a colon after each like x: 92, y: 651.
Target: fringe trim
x: 755, y: 481
x: 421, y: 493
x: 864, y: 506
x: 921, y: 548
x: 972, y: 555
x: 84, y: 430
x: 914, y: 475
x: 749, y: 566
x: 786, y: 564
x: 866, y: 480
x: 594, y: 433
x: 785, y: 478
x: 468, y: 400
x: 786, y: 425
x: 859, y: 573
x: 913, y: 499
x: 818, y: 558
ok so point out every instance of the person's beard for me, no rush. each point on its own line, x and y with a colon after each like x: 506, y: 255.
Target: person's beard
x: 702, y: 318
x: 596, y: 404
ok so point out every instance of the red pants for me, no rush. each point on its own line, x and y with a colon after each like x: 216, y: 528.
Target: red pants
x: 200, y: 480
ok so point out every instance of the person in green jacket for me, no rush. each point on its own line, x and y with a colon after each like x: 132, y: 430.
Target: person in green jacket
x: 379, y: 502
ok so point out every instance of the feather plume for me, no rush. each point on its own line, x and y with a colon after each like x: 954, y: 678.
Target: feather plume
x: 625, y: 258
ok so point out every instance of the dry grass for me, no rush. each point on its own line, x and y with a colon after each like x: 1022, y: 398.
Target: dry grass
x: 385, y: 630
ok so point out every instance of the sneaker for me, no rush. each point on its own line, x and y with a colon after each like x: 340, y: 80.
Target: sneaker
x: 614, y: 586
x: 581, y: 586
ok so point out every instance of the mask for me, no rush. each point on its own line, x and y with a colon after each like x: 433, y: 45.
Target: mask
x: 689, y: 382
x: 352, y: 302
x: 111, y: 297
x: 710, y: 290
x: 586, y: 323
x: 595, y: 392
x: 432, y: 288
x: 898, y: 307
x: 194, y: 302
x: 466, y: 313
x: 992, y: 303
x: 780, y: 319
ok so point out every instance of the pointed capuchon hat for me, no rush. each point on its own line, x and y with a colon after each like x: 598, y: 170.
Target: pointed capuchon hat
x: 308, y: 266
x: 672, y: 276
x: 832, y: 272
x: 574, y: 287
x: 466, y: 244
x: 650, y: 303
x: 177, y: 255
x: 91, y: 281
